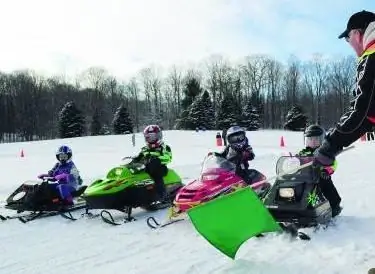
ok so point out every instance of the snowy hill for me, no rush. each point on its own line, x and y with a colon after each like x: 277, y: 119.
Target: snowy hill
x: 56, y: 245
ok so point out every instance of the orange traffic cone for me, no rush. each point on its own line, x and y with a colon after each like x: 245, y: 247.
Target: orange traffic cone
x: 282, y: 144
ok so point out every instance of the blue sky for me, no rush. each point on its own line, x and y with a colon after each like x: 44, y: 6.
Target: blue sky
x: 123, y: 36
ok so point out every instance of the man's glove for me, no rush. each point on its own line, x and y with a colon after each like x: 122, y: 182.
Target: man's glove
x: 324, y: 155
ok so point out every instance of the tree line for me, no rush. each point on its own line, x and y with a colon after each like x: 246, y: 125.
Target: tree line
x: 259, y: 92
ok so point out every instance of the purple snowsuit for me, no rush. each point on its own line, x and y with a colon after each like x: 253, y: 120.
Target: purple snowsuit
x: 68, y: 178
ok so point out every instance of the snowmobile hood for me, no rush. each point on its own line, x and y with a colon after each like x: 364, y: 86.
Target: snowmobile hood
x: 120, y: 178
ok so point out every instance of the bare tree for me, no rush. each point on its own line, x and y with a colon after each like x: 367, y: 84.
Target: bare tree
x: 274, y: 74
x: 315, y: 80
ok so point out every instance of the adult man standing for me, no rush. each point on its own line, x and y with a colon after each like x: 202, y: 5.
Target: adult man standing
x: 360, y: 34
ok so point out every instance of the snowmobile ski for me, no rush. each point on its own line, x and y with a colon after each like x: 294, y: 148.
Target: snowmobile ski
x: 110, y: 220
x: 37, y: 215
x: 293, y: 231
x: 69, y: 215
x: 42, y: 214
x: 154, y: 224
x: 15, y: 216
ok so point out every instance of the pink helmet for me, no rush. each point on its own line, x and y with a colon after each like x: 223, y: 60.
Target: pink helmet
x: 153, y: 136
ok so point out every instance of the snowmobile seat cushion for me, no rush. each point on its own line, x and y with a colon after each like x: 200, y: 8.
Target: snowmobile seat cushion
x: 79, y: 191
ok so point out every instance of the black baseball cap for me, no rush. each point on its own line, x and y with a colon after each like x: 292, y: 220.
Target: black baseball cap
x: 359, y: 20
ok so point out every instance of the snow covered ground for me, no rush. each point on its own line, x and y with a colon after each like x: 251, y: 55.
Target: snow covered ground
x: 56, y: 245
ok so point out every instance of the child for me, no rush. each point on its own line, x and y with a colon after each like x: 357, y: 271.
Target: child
x: 66, y: 174
x: 156, y: 155
x: 239, y: 152
x: 314, y: 136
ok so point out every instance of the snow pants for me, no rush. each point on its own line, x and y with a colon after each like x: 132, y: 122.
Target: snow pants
x: 157, y: 171
x: 330, y: 192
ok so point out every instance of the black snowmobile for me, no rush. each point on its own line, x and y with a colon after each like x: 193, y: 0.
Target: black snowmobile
x: 39, y: 200
x: 295, y: 199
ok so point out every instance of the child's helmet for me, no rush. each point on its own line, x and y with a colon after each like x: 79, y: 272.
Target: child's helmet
x: 314, y: 136
x: 236, y: 137
x: 64, y: 154
x: 153, y: 136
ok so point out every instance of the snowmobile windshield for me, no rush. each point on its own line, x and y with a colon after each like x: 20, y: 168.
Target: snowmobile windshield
x: 213, y: 162
x: 286, y: 165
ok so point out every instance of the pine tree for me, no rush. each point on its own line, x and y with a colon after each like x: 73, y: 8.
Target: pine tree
x: 192, y: 90
x: 201, y: 113
x: 122, y: 123
x: 95, y: 126
x: 229, y: 112
x: 296, y: 120
x: 71, y: 122
x: 250, y: 117
x: 105, y: 130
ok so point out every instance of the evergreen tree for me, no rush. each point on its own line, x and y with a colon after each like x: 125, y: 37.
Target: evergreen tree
x: 122, y: 123
x: 71, y: 122
x: 201, y: 113
x: 250, y: 117
x: 95, y: 126
x: 229, y: 112
x: 191, y: 91
x: 105, y: 130
x: 296, y: 120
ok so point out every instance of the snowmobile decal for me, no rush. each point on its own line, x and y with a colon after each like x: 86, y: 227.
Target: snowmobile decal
x: 313, y: 198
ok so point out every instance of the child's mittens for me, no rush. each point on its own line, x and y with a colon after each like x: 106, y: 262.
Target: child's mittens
x: 326, y: 172
x: 247, y: 155
x: 62, y: 177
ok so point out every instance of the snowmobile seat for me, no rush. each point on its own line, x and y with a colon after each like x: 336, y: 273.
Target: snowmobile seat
x: 79, y: 191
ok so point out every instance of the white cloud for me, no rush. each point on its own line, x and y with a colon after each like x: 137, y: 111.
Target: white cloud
x: 68, y: 36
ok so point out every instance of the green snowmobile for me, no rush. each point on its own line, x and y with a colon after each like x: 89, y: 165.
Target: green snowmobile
x: 126, y: 187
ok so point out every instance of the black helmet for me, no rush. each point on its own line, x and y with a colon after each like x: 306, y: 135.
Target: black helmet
x: 314, y: 136
x: 314, y: 130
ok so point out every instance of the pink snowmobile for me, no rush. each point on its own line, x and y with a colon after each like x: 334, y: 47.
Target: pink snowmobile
x: 217, y: 178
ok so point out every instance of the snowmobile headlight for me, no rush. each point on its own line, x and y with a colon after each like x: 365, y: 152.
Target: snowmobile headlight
x: 118, y: 171
x: 286, y: 192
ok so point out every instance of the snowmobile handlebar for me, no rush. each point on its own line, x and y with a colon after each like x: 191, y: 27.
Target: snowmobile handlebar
x: 128, y: 157
x: 294, y: 170
x: 48, y: 179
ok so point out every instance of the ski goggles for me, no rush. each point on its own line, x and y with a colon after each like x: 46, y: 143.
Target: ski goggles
x: 151, y: 137
x: 236, y: 138
x: 63, y: 157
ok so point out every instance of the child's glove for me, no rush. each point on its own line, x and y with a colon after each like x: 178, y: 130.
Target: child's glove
x: 326, y: 173
x: 62, y: 177
x: 248, y: 155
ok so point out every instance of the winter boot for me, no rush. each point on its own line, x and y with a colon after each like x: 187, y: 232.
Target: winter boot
x: 336, y: 211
